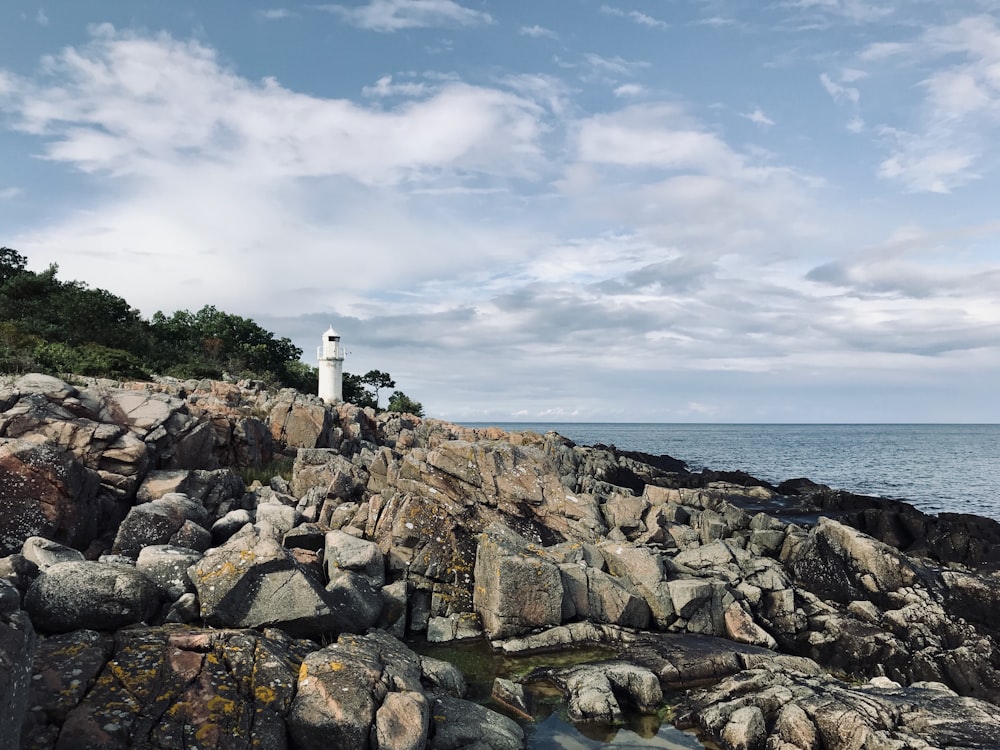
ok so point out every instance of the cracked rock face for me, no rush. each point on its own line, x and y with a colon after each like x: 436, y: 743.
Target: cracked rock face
x: 790, y: 710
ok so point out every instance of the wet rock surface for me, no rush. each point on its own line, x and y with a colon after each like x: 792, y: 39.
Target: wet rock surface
x: 176, y: 607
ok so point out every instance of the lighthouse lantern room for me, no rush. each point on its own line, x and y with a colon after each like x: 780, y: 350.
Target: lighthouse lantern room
x: 331, y: 367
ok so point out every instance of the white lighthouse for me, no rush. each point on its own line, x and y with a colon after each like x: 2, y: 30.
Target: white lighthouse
x: 331, y: 367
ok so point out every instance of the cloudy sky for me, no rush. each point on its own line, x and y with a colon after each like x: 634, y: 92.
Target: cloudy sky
x: 561, y: 210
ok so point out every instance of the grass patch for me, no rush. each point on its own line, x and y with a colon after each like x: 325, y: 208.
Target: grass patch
x: 279, y: 466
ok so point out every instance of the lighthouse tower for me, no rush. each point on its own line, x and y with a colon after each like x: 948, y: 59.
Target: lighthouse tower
x: 331, y: 367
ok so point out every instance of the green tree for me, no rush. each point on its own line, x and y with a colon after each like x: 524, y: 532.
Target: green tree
x: 212, y: 342
x: 400, y: 402
x: 356, y: 393
x: 12, y: 263
x: 376, y: 380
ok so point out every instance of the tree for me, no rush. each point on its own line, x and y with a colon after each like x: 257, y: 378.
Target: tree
x: 356, y: 393
x: 400, y: 402
x: 12, y: 263
x: 377, y: 380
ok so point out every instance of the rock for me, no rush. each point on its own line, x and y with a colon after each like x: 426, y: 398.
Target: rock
x: 172, y: 519
x: 281, y: 517
x: 840, y: 563
x: 45, y: 553
x: 66, y: 667
x: 442, y: 677
x: 517, y: 590
x: 355, y: 602
x: 45, y: 491
x: 252, y: 581
x: 346, y: 552
x: 745, y: 729
x: 167, y: 566
x: 229, y: 524
x: 821, y: 712
x: 99, y: 596
x: 212, y: 490
x: 456, y: 627
x: 181, y: 687
x: 511, y: 696
x: 593, y: 690
x: 297, y: 424
x: 17, y: 651
x: 459, y: 724
x: 342, y: 687
x: 401, y: 722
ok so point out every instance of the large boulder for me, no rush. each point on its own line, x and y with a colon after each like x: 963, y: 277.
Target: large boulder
x: 46, y: 491
x: 841, y: 563
x: 252, y: 581
x: 517, y: 589
x: 171, y: 519
x: 177, y: 686
x: 296, y: 423
x: 17, y: 651
x: 100, y: 596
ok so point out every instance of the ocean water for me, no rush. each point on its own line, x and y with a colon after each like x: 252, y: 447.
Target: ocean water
x: 936, y: 467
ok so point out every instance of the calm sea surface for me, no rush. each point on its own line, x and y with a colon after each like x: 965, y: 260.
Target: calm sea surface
x: 936, y: 467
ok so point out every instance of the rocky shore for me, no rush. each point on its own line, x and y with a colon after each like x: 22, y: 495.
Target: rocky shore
x: 150, y: 598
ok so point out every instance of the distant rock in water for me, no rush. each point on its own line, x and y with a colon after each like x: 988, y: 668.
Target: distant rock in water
x: 175, y: 605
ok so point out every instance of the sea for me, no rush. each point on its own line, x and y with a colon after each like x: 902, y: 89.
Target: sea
x: 937, y: 468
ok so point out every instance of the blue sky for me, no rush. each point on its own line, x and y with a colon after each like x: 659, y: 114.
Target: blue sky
x: 569, y: 210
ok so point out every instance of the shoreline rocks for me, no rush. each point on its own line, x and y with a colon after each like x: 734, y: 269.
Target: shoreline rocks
x: 179, y: 607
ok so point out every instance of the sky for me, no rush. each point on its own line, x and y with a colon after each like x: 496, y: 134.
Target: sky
x: 557, y: 211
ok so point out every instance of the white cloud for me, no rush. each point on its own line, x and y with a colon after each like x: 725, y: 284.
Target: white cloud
x: 129, y: 103
x: 758, y: 117
x: 630, y: 90
x: 635, y: 16
x: 394, y: 15
x: 856, y: 125
x: 925, y: 167
x: 537, y: 32
x: 856, y: 11
x: 385, y: 87
x: 41, y: 18
x: 599, y: 68
x: 652, y: 136
x: 838, y: 92
x: 883, y: 50
x: 10, y: 192
x: 275, y: 14
x: 948, y: 143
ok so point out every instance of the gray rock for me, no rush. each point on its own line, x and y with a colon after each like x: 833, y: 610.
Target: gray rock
x: 456, y: 627
x: 171, y: 519
x: 252, y: 581
x: 45, y: 552
x: 443, y: 677
x: 17, y: 650
x: 593, y: 690
x: 229, y: 524
x: 346, y: 552
x: 356, y: 602
x: 168, y: 565
x: 282, y: 517
x: 461, y: 725
x: 99, y: 596
x: 342, y: 686
x: 745, y: 729
x: 517, y: 589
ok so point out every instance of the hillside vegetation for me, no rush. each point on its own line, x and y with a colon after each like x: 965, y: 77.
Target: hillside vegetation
x: 57, y: 327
